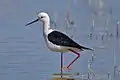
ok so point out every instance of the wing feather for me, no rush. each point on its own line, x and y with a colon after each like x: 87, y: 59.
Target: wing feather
x: 61, y: 39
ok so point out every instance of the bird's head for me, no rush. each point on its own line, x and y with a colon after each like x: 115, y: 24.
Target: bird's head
x: 42, y: 16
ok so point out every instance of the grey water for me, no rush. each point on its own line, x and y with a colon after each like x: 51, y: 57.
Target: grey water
x: 27, y: 57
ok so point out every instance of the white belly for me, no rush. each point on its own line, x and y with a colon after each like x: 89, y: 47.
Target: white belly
x: 54, y: 47
x: 57, y: 48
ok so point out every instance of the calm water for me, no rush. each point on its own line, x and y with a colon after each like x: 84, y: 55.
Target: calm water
x: 21, y: 59
x: 25, y: 59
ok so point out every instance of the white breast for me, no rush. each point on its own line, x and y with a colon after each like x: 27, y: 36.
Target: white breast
x: 54, y: 47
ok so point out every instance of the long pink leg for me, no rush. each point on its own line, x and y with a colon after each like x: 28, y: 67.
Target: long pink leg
x: 78, y: 55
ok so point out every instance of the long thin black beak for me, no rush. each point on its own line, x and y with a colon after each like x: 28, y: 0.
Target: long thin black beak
x: 32, y: 22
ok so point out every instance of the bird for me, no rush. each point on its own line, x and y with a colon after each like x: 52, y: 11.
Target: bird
x: 58, y: 41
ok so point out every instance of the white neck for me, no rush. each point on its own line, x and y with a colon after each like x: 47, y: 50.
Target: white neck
x: 46, y: 27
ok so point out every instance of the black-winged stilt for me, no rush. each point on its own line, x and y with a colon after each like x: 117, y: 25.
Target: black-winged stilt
x: 56, y: 40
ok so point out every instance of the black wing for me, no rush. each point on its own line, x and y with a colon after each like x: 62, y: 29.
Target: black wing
x: 61, y: 39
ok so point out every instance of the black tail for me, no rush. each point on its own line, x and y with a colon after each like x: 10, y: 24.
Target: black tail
x: 82, y: 47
